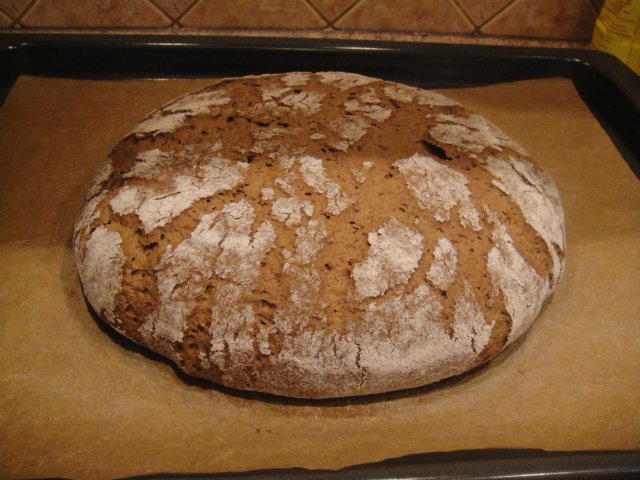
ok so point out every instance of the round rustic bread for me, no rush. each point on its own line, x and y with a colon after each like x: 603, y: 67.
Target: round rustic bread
x: 319, y: 235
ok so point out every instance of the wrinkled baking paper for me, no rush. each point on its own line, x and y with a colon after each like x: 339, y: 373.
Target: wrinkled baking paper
x: 76, y: 401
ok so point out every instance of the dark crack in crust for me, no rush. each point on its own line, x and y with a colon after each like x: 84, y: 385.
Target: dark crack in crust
x: 241, y: 219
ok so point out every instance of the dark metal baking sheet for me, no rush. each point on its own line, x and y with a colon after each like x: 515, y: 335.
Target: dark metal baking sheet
x: 609, y: 88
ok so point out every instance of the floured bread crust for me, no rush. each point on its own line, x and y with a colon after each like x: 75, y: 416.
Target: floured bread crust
x: 319, y: 235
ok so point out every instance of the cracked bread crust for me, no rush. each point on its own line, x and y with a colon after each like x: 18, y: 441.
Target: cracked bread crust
x: 319, y: 235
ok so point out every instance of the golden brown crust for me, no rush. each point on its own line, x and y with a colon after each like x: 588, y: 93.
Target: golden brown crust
x: 319, y: 235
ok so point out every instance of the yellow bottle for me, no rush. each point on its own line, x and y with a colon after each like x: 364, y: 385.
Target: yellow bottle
x: 617, y: 31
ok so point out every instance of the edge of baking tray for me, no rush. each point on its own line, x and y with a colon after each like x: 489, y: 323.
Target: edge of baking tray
x: 608, y: 87
x: 467, y: 465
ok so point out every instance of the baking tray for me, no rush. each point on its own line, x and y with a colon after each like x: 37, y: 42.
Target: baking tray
x: 610, y: 89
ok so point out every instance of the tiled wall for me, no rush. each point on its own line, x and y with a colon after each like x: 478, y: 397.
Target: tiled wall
x: 485, y: 21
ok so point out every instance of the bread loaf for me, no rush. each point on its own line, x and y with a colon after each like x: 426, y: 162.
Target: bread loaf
x: 319, y: 235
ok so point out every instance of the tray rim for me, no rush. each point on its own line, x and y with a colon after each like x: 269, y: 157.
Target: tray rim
x: 609, y: 88
x: 15, y: 44
x: 19, y: 56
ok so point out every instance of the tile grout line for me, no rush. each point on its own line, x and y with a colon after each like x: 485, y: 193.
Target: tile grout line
x: 9, y: 16
x: 186, y: 11
x: 476, y: 28
x: 162, y: 13
x: 592, y: 4
x: 495, y: 14
x: 340, y: 34
x: 18, y: 20
x: 312, y: 5
x: 172, y: 22
x: 346, y: 11
x: 595, y: 6
x: 529, y: 36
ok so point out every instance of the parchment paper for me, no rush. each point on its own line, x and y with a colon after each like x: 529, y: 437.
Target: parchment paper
x: 77, y: 402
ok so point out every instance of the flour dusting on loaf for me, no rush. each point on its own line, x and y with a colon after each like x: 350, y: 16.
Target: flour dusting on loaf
x: 394, y: 254
x: 101, y: 269
x: 320, y: 235
x: 443, y: 268
x: 439, y: 188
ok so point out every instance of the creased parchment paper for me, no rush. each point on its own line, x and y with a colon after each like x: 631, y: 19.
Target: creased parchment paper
x: 77, y: 402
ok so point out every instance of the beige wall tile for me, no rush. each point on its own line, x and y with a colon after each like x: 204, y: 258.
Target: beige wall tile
x: 96, y: 13
x: 261, y: 14
x: 481, y: 10
x: 432, y: 20
x: 424, y: 16
x: 332, y: 9
x: 14, y: 7
x: 174, y: 8
x: 568, y: 19
x: 5, y: 21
